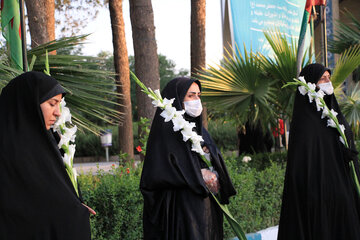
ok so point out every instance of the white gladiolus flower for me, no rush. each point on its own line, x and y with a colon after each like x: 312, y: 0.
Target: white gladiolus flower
x: 302, y: 79
x: 342, y: 140
x: 72, y: 151
x: 187, y: 131
x: 320, y: 94
x: 196, y: 147
x: 325, y: 113
x: 302, y: 90
x: 187, y: 134
x: 67, y: 159
x: 333, y: 112
x: 331, y: 123
x: 168, y: 102
x: 157, y: 103
x: 168, y: 113
x: 70, y: 133
x: 196, y: 138
x: 311, y: 98
x: 157, y: 93
x: 67, y: 135
x: 342, y: 128
x: 312, y: 86
x: 179, y: 122
x: 319, y: 105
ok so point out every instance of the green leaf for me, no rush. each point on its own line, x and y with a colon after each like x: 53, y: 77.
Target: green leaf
x: 348, y: 61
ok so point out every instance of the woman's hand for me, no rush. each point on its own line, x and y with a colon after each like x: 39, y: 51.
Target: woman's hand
x: 91, y: 211
x: 211, y: 180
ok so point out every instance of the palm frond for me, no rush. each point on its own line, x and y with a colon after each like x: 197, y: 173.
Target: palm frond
x: 238, y: 87
x: 346, y: 35
x: 92, y: 95
x: 349, y: 60
x: 281, y: 68
x: 350, y: 107
x: 7, y: 73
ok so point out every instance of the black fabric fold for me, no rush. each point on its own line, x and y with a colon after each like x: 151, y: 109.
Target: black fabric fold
x: 37, y: 199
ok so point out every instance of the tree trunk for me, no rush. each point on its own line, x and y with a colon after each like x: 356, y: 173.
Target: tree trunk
x: 41, y: 17
x: 145, y: 53
x: 198, y: 56
x: 121, y: 62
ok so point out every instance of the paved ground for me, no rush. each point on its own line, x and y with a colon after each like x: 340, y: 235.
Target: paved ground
x: 83, y: 168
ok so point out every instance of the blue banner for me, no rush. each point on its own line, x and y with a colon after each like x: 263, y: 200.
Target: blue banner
x: 249, y: 18
x: 329, y: 32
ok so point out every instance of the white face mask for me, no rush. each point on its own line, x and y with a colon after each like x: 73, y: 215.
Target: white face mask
x: 193, y: 108
x: 326, y: 88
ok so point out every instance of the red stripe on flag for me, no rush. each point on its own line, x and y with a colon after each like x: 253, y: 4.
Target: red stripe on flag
x: 319, y: 2
x: 2, y: 4
x: 20, y: 31
x: 12, y: 23
x: 311, y: 3
x: 308, y: 6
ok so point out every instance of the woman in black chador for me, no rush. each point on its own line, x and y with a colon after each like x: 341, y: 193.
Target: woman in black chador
x: 176, y: 198
x: 319, y: 200
x: 37, y: 198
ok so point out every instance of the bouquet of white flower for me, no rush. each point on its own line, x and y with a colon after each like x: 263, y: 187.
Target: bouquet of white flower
x: 170, y: 113
x: 67, y: 137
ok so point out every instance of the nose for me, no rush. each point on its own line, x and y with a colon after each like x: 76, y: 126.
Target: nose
x: 57, y: 111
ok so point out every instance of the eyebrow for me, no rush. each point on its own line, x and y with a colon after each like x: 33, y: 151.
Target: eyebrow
x: 194, y: 92
x: 54, y: 100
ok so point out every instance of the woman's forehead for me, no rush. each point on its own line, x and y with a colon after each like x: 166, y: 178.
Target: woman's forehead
x: 194, y: 88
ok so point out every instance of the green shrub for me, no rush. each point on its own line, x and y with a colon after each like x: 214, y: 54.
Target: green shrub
x: 261, y: 161
x: 257, y: 203
x: 116, y: 197
x: 224, y: 134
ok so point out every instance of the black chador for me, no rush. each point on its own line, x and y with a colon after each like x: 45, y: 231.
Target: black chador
x: 37, y: 198
x: 319, y: 199
x: 176, y: 201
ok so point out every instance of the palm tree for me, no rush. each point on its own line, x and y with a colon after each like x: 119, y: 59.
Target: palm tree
x: 145, y: 51
x: 282, y: 69
x: 198, y: 59
x: 91, y: 92
x: 121, y: 63
x: 41, y: 16
x: 241, y: 90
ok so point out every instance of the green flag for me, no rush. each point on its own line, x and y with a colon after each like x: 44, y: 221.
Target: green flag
x: 10, y: 24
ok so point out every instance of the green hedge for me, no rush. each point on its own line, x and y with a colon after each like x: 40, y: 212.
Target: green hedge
x: 116, y: 198
x: 224, y: 134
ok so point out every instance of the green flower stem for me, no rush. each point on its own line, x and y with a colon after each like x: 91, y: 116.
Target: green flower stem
x: 72, y: 178
x: 231, y: 220
x: 146, y: 90
x: 208, y: 163
x: 354, y: 177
